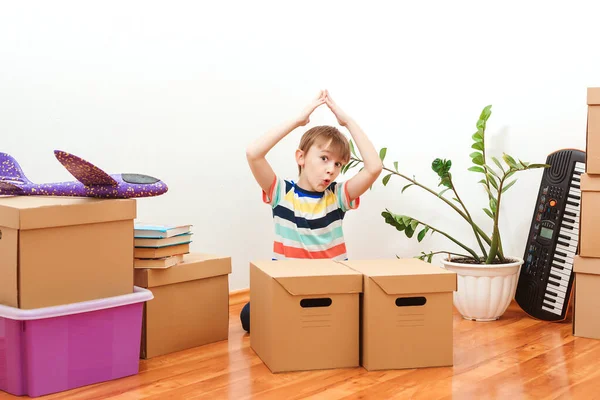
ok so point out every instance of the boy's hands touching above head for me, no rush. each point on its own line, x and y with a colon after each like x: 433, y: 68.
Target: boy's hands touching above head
x: 341, y: 116
x: 304, y: 117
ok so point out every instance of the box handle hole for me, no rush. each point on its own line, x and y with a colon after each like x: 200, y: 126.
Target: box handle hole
x: 0, y: 233
x: 310, y: 303
x: 410, y: 301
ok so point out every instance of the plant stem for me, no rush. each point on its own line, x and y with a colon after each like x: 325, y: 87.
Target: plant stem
x: 496, y: 233
x: 458, y: 210
x: 469, y: 218
x: 471, y: 251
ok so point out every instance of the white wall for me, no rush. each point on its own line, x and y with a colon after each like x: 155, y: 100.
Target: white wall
x: 178, y: 90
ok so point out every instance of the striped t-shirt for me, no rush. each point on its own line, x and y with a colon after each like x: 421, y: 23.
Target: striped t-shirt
x: 308, y: 224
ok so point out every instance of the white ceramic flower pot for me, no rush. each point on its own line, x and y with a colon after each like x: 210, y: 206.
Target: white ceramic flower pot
x: 484, y: 291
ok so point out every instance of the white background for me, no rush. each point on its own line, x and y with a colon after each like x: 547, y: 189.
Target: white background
x: 178, y: 89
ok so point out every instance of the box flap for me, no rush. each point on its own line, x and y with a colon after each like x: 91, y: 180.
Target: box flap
x: 405, y: 275
x: 34, y: 212
x: 589, y: 183
x: 194, y: 266
x: 312, y: 277
x: 586, y: 265
x: 593, y: 96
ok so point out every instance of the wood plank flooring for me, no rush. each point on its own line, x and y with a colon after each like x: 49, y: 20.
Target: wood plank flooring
x: 516, y: 357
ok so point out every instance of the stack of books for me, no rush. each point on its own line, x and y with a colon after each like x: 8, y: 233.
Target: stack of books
x: 160, y: 246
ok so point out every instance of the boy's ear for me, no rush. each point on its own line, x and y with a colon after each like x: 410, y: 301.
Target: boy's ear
x: 300, y: 157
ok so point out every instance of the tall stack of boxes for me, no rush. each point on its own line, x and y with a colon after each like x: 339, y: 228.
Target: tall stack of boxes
x: 57, y: 252
x: 586, y: 316
x: 322, y: 314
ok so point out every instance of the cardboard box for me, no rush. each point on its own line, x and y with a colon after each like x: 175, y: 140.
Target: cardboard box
x: 406, y: 314
x: 62, y: 250
x: 586, y: 313
x: 589, y: 240
x: 304, y: 314
x: 190, y: 306
x: 593, y: 131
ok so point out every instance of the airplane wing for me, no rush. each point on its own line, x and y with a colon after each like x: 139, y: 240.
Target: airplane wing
x: 84, y: 171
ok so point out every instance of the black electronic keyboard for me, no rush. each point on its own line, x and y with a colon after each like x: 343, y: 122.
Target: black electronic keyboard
x: 546, y: 277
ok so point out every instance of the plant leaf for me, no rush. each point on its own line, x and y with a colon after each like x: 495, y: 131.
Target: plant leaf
x: 493, y: 181
x: 477, y: 136
x: 352, y: 148
x: 414, y: 224
x: 478, y: 146
x: 498, y: 164
x: 489, y: 213
x: 409, y: 231
x: 510, y: 161
x: 455, y: 199
x: 475, y: 154
x: 486, y: 112
x: 505, y: 188
x: 531, y: 166
x: 422, y: 234
x: 396, y: 165
x: 443, y: 191
x: 478, y: 160
x: 477, y: 169
x: 493, y: 205
x: 491, y: 171
x: 386, y: 179
x: 382, y: 153
x: 406, y: 187
x: 392, y: 220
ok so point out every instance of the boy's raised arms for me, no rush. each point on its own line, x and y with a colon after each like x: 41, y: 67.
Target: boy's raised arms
x: 257, y: 151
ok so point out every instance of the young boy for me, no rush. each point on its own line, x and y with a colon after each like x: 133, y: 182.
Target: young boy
x: 308, y: 214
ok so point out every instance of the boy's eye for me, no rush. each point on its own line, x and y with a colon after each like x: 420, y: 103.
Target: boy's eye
x: 338, y: 164
x: 324, y: 158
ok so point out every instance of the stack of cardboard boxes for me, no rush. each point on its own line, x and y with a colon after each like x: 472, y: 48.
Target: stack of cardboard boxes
x: 321, y: 314
x: 586, y: 316
x: 191, y: 290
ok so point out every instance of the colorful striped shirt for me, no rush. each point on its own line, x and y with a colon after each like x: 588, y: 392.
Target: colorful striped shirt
x: 309, y: 224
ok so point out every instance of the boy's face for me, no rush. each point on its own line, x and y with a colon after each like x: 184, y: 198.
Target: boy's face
x: 320, y: 167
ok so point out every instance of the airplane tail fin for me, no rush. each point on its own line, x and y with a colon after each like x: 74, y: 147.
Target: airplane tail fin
x: 10, y: 170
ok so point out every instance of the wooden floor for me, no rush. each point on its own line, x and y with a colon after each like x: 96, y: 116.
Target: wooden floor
x: 514, y: 358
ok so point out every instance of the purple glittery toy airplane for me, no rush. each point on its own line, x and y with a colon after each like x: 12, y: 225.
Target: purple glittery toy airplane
x: 91, y: 181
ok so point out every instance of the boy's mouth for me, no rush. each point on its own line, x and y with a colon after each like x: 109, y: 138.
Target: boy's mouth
x: 326, y: 181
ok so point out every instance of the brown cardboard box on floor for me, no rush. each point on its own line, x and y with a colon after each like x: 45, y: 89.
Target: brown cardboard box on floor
x: 586, y: 313
x: 304, y: 314
x: 589, y: 240
x: 190, y: 306
x: 62, y: 250
x: 406, y: 314
x: 593, y: 131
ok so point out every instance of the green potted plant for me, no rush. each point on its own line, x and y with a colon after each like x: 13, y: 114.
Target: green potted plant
x: 487, y: 279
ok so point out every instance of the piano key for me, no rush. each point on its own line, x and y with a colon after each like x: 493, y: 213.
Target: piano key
x: 552, y: 310
x: 560, y: 274
x: 549, y: 300
x: 559, y: 284
x: 552, y: 291
x: 568, y: 250
x: 570, y: 213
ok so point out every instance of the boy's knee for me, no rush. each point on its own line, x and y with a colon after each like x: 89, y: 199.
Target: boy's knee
x: 245, y: 317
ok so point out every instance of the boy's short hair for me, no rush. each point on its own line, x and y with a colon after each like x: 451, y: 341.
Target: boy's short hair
x: 336, y: 142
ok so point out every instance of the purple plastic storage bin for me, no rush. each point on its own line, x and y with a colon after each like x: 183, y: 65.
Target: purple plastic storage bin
x: 52, y: 349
